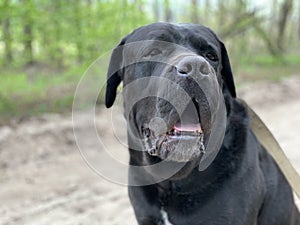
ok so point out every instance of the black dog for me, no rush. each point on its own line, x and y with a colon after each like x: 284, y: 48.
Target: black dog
x: 194, y: 157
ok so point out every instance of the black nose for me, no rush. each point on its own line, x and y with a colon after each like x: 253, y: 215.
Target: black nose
x: 192, y: 65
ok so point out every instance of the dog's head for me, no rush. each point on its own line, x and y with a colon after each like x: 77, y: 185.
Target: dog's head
x: 175, y: 79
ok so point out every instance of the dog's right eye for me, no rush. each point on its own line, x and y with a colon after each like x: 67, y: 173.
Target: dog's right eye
x: 152, y: 53
x: 212, y: 56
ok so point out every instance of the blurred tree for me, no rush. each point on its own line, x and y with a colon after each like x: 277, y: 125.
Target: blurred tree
x: 28, y: 10
x: 273, y: 15
x: 221, y: 13
x: 72, y: 32
x: 284, y: 14
x: 78, y: 10
x: 194, y: 12
x: 56, y: 33
x: 207, y: 9
x: 156, y: 12
x: 299, y: 21
x: 6, y: 30
x: 236, y: 18
x: 168, y: 11
x: 267, y: 39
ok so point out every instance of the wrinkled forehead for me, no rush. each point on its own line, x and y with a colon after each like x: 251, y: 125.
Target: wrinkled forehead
x: 187, y: 35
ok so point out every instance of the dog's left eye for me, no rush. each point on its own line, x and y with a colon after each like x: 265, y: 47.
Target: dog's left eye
x: 152, y: 53
x: 212, y: 56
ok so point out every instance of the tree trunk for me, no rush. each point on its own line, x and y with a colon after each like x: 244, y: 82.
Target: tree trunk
x: 78, y: 28
x: 139, y: 5
x: 28, y: 32
x: 28, y: 38
x: 58, y: 52
x: 299, y: 21
x: 194, y: 12
x: 207, y: 9
x: 272, y: 48
x: 7, y: 38
x: 156, y: 11
x: 221, y: 13
x: 273, y: 15
x: 168, y: 11
x: 285, y: 11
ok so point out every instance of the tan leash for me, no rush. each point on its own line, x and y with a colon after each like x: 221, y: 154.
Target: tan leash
x: 267, y: 139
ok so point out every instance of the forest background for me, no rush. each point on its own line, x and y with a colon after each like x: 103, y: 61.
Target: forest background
x: 46, y: 46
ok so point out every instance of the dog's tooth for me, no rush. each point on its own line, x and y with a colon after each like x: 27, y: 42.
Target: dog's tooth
x: 152, y: 152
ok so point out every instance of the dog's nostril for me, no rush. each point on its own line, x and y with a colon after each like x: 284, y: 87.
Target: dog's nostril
x: 193, y: 65
x: 184, y: 69
x: 204, y: 69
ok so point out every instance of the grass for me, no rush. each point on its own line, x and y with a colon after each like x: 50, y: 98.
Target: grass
x: 265, y: 67
x: 30, y: 93
x: 24, y: 94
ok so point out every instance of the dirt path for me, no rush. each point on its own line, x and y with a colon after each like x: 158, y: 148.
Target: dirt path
x: 44, y: 179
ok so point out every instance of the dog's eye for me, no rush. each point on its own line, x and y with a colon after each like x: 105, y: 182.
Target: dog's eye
x: 152, y: 53
x: 212, y: 56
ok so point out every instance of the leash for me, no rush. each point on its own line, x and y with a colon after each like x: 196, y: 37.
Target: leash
x: 267, y: 139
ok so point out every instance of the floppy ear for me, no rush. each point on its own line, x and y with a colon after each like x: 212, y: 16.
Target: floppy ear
x: 226, y: 71
x: 114, y: 74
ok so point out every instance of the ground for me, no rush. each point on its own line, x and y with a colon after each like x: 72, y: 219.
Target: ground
x: 44, y: 179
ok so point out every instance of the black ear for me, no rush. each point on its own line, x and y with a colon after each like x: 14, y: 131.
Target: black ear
x: 114, y: 76
x: 226, y: 71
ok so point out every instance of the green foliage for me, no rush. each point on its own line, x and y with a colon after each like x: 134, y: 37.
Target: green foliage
x: 68, y: 32
x: 52, y: 43
x: 21, y: 96
x: 45, y: 46
x: 266, y: 67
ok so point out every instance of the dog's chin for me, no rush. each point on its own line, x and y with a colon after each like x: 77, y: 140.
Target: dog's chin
x: 182, y: 148
x: 177, y: 145
x: 172, y: 170
x: 180, y: 154
x: 186, y: 169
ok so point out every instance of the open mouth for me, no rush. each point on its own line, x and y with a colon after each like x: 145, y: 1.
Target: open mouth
x: 182, y: 130
x: 183, y: 142
x: 189, y: 124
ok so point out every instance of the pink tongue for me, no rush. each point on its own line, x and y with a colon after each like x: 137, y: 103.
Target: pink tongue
x: 187, y: 127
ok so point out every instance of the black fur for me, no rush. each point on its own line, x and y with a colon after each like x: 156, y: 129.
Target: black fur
x: 242, y: 186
